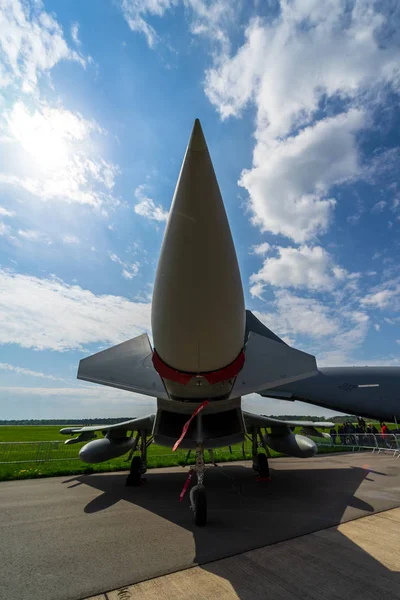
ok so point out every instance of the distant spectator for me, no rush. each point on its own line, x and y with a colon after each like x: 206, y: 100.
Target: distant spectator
x: 369, y: 437
x: 352, y: 430
x: 333, y: 435
x: 359, y: 436
x: 385, y: 434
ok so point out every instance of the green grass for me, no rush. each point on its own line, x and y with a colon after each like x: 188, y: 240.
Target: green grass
x: 32, y: 433
x: 26, y: 468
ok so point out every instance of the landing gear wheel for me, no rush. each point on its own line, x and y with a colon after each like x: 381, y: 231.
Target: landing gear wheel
x: 135, y: 474
x: 261, y: 465
x: 198, y: 501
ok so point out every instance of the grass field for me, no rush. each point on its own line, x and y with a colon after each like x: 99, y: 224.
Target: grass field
x: 27, y: 454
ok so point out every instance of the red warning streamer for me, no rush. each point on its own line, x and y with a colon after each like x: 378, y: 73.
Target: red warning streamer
x: 185, y: 487
x: 186, y: 425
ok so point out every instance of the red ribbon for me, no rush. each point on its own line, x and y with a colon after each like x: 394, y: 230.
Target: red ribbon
x: 186, y: 425
x: 212, y: 377
x: 185, y: 487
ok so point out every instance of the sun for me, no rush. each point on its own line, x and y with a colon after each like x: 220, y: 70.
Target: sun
x: 48, y: 135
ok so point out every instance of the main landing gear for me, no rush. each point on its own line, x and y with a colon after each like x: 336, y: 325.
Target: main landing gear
x: 260, y: 460
x: 139, y: 463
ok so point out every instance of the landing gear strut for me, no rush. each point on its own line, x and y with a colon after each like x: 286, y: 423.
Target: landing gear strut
x: 198, y: 499
x: 260, y: 460
x: 139, y: 463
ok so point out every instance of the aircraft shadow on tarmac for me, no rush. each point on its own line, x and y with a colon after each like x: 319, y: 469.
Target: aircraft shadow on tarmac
x: 245, y: 514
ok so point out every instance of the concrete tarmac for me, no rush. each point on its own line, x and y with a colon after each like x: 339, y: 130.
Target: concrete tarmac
x: 354, y: 561
x: 68, y: 538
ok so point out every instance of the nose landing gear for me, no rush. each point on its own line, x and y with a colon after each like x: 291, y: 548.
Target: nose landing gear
x: 198, y: 498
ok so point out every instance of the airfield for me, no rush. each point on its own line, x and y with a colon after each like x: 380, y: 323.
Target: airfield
x: 68, y: 538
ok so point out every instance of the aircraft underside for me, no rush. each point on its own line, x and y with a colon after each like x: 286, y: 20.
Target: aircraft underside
x: 198, y: 427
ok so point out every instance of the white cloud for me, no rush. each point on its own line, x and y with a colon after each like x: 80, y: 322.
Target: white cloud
x: 288, y: 67
x: 70, y: 239
x: 385, y: 298
x: 296, y: 267
x: 377, y: 327
x: 350, y: 336
x: 332, y: 333
x: 31, y: 43
x: 32, y: 235
x: 85, y: 392
x: 92, y: 402
x: 147, y: 208
x: 300, y: 316
x: 213, y: 19
x: 52, y: 147
x: 261, y: 249
x: 129, y: 269
x: 391, y: 321
x: 4, y: 229
x: 379, y: 206
x: 312, y: 49
x: 29, y: 372
x: 115, y: 258
x: 290, y: 179
x: 49, y: 314
x: 6, y: 213
x: 303, y: 267
x: 135, y: 11
x: 74, y: 34
x: 207, y: 18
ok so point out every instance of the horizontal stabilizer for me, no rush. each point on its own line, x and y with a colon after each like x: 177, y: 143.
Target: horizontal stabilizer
x: 270, y: 363
x: 127, y: 366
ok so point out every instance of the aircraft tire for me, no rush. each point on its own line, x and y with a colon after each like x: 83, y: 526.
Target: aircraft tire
x: 199, y: 505
x: 262, y: 465
x: 135, y: 474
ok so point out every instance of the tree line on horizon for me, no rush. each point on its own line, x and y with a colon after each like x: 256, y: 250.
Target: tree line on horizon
x: 94, y: 421
x: 112, y: 420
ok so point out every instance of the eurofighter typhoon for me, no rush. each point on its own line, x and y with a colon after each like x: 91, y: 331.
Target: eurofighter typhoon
x: 208, y: 351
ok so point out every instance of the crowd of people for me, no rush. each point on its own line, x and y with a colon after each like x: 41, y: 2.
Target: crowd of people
x: 360, y: 434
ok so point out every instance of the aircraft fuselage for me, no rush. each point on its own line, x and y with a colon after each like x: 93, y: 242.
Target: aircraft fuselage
x: 372, y: 392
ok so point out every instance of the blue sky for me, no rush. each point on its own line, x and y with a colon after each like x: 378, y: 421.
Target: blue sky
x: 298, y: 101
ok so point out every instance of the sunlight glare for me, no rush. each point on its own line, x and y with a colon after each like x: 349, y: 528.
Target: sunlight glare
x: 48, y: 136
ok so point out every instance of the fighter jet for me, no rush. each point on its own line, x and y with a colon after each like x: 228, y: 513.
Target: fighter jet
x: 207, y: 352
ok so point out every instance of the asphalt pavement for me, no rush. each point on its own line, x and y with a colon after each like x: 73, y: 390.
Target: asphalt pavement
x: 67, y: 538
